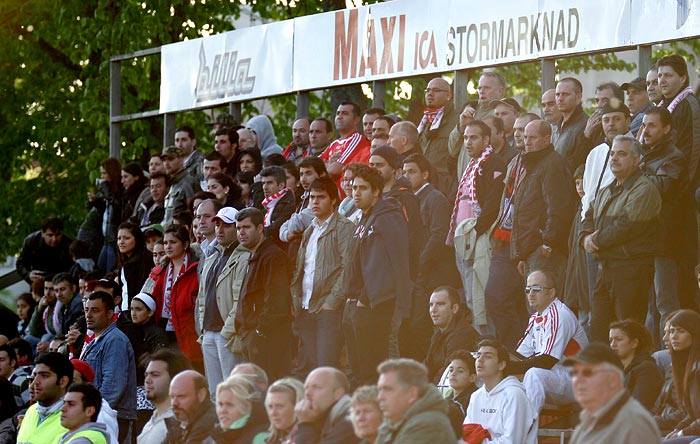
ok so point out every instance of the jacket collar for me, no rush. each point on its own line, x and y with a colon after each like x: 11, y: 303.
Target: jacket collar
x: 573, y: 117
x: 607, y: 413
x: 627, y: 183
x: 533, y: 157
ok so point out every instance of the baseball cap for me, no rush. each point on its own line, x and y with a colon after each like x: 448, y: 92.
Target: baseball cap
x: 639, y: 84
x: 84, y: 369
x: 227, y: 215
x: 507, y: 101
x: 172, y: 151
x: 595, y: 353
x: 153, y: 230
x: 614, y: 106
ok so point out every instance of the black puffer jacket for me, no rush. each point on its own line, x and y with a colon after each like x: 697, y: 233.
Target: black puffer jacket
x: 643, y: 379
x: 665, y: 165
x: 544, y: 204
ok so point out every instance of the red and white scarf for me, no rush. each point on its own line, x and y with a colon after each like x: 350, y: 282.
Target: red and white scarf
x: 467, y: 189
x: 270, y: 202
x: 678, y: 99
x: 433, y: 117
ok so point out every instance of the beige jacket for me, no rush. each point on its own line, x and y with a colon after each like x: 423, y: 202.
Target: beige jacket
x: 228, y: 288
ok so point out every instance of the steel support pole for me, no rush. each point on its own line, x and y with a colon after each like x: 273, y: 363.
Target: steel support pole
x: 460, y: 93
x: 303, y: 101
x: 643, y: 60
x: 549, y: 72
x: 115, y: 107
x: 168, y: 129
x: 235, y: 110
x: 379, y: 91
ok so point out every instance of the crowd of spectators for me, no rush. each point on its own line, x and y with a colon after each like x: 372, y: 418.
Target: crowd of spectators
x: 369, y: 288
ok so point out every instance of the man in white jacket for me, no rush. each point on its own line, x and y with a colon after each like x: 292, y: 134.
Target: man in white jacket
x: 500, y: 411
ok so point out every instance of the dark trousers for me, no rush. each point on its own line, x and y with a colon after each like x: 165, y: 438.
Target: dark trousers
x: 271, y: 352
x: 349, y: 335
x: 372, y: 328
x: 505, y: 298
x: 321, y: 336
x: 125, y: 435
x: 416, y: 330
x: 621, y: 292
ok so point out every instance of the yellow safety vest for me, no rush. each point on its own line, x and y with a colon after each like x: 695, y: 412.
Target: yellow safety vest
x: 94, y: 436
x: 48, y: 432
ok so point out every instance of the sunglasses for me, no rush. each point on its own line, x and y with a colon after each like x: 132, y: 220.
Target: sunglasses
x: 535, y: 288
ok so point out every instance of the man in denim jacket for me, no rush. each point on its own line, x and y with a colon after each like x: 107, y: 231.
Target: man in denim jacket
x: 111, y: 356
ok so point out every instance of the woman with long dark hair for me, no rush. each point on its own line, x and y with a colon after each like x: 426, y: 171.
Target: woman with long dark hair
x: 133, y: 180
x: 134, y: 260
x: 631, y: 342
x: 685, y: 363
x: 226, y: 190
x: 25, y: 309
x: 175, y: 292
x: 108, y: 202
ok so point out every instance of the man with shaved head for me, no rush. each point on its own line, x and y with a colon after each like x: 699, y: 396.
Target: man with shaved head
x: 552, y: 333
x: 531, y: 231
x: 439, y: 118
x: 325, y: 409
x: 194, y: 412
x: 403, y: 137
x: 568, y: 97
x: 550, y: 112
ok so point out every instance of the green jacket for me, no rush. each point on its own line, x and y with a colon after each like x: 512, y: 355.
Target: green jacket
x: 228, y: 287
x: 626, y: 219
x: 331, y: 260
x: 425, y: 422
x: 89, y: 433
x: 49, y: 431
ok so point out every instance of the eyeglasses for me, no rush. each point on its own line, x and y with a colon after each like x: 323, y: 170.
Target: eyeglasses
x: 587, y: 372
x: 536, y: 288
x: 435, y: 90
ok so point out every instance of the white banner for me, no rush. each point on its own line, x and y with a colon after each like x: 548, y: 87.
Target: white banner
x: 410, y: 37
x: 234, y: 66
x: 661, y: 20
x: 404, y: 38
x: 386, y: 40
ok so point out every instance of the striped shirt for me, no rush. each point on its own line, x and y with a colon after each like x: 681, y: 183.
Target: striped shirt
x: 554, y: 332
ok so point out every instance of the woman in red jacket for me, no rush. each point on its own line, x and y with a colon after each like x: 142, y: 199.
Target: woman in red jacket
x: 175, y: 292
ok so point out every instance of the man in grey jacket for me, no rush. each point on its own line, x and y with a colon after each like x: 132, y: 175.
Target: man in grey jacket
x: 609, y: 413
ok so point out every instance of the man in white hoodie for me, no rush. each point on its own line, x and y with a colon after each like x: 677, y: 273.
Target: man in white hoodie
x: 500, y: 411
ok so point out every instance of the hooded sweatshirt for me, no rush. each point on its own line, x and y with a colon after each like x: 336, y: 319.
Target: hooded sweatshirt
x: 505, y: 411
x: 88, y: 433
x: 267, y: 142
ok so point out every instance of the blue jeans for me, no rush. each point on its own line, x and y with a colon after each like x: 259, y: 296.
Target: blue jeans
x: 505, y: 299
x: 218, y: 359
x: 321, y: 337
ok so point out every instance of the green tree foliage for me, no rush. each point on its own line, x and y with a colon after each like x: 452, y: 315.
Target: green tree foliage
x: 54, y: 80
